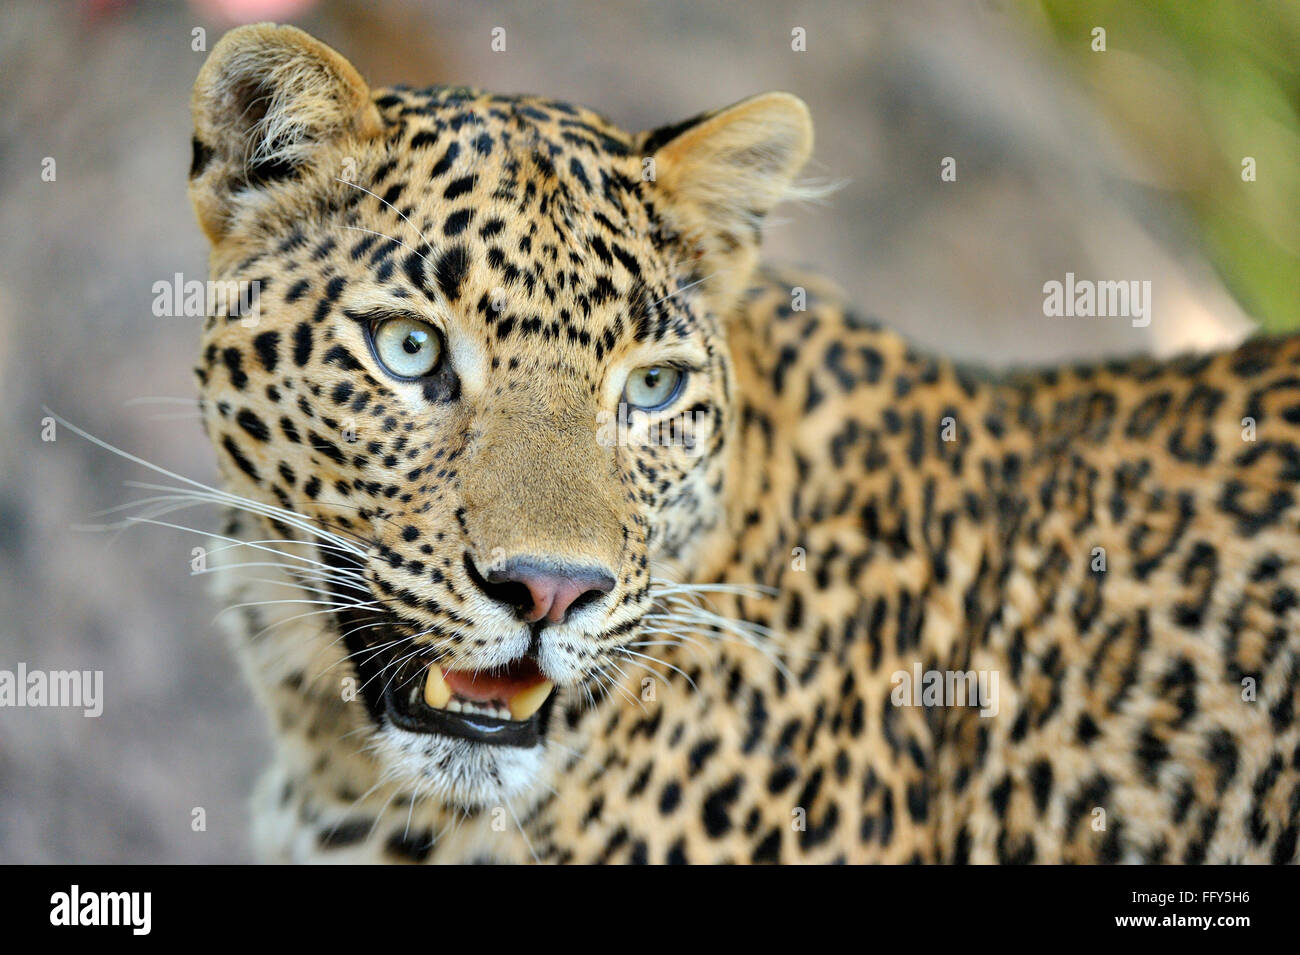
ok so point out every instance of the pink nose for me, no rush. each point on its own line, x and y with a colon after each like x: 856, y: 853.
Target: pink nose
x: 542, y: 590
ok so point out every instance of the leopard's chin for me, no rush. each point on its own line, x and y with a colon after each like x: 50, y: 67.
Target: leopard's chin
x: 459, y: 773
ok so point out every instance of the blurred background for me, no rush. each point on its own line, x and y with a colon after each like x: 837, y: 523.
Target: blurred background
x: 1119, y: 162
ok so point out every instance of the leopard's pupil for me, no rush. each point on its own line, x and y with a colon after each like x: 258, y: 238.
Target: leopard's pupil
x: 413, y: 343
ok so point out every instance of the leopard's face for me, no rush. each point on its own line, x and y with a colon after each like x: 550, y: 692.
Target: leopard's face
x: 487, y: 376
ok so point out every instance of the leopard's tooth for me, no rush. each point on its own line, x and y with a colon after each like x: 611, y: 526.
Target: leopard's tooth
x: 436, y: 692
x: 527, y: 702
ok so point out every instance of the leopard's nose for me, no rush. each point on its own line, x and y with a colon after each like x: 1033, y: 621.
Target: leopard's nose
x: 539, y: 589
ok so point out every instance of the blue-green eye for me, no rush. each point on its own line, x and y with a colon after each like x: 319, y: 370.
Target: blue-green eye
x: 406, y: 347
x: 651, y: 387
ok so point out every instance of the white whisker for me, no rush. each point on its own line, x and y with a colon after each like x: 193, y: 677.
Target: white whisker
x: 422, y: 236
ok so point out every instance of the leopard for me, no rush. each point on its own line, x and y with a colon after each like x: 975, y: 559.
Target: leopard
x: 559, y: 527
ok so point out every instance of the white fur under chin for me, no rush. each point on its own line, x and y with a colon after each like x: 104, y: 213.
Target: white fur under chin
x: 458, y: 772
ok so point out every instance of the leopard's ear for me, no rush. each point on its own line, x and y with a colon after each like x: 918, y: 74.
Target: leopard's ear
x: 270, y: 104
x: 719, y: 175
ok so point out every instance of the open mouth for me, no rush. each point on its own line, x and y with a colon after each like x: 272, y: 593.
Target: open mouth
x: 506, y: 706
x: 510, y: 706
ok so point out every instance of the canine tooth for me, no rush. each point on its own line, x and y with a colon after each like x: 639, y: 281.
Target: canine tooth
x: 436, y: 691
x: 527, y: 702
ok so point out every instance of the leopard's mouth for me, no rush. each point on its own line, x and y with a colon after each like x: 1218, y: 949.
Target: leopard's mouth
x: 509, y: 706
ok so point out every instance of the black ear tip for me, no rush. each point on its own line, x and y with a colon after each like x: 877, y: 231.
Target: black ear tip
x: 780, y: 108
x: 200, y: 156
x: 658, y: 138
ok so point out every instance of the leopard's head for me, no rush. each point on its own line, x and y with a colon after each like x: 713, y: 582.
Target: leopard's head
x: 486, y: 372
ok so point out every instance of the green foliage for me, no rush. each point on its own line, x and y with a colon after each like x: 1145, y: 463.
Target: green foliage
x: 1198, y: 85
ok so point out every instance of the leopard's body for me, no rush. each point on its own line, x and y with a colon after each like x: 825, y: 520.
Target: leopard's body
x: 1116, y: 546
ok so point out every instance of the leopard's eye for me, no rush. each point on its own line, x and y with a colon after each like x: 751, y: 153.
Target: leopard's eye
x: 406, y: 347
x: 651, y: 387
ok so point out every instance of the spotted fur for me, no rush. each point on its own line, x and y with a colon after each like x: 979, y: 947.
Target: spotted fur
x: 855, y: 509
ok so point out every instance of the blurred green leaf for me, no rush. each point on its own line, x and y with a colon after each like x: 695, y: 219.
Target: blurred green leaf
x: 1235, y: 65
